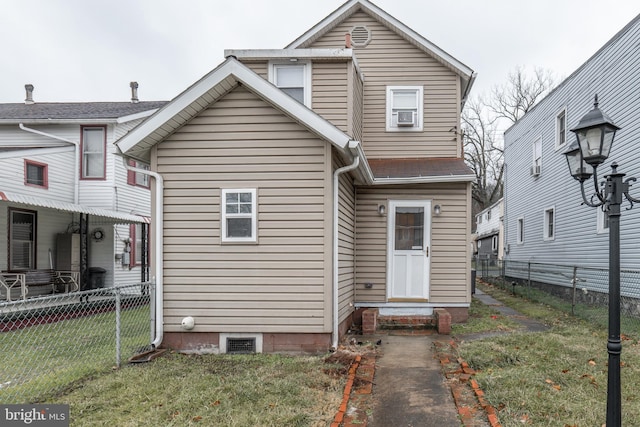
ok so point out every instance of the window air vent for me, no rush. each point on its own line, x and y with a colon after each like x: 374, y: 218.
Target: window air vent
x: 406, y: 118
x: 241, y: 345
x: 535, y: 170
x: 360, y: 36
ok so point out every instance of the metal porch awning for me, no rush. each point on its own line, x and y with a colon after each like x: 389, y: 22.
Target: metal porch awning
x: 108, y: 216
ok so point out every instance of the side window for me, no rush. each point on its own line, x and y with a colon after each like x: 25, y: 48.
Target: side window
x: 22, y: 239
x: 494, y: 243
x: 139, y: 244
x: 404, y: 108
x: 239, y: 215
x: 294, y: 79
x: 94, y: 146
x: 549, y: 224
x: 36, y: 174
x: 138, y: 179
x: 537, y: 157
x: 561, y: 128
x: 520, y: 231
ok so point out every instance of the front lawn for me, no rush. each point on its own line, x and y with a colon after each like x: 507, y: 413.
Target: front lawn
x: 211, y: 390
x: 553, y: 378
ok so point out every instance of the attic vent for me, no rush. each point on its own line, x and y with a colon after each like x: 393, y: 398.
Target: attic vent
x: 360, y: 36
x: 241, y: 345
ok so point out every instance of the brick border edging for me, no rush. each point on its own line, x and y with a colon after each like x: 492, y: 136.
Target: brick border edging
x: 337, y: 420
x: 464, y: 411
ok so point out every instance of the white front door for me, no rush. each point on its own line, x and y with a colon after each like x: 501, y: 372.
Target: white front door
x: 408, y: 241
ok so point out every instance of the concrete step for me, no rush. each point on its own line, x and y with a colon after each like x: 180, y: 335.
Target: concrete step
x: 407, y: 322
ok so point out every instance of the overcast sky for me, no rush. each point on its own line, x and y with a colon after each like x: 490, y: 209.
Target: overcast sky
x: 89, y: 50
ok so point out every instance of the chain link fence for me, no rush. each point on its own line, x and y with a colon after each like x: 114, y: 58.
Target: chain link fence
x: 580, y: 291
x: 48, y: 343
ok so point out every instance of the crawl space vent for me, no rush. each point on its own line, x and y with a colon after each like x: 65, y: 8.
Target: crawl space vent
x: 241, y: 345
x: 360, y: 36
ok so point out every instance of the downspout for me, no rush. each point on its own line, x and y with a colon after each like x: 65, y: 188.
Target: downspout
x: 158, y: 225
x: 76, y: 160
x: 336, y: 190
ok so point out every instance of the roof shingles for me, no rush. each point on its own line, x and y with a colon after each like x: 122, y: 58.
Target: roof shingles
x: 75, y: 110
x: 418, y: 167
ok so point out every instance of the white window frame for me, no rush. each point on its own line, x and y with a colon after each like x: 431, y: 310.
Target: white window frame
x: 602, y: 220
x: 306, y: 66
x: 520, y: 230
x: 419, y: 107
x: 536, y: 166
x: 494, y: 243
x: 550, y: 227
x: 99, y: 153
x: 561, y: 131
x: 253, y: 215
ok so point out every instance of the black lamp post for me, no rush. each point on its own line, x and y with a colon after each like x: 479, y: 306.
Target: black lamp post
x: 595, y: 134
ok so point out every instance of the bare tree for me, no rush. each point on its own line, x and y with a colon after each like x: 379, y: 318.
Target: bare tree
x: 521, y: 92
x: 485, y: 120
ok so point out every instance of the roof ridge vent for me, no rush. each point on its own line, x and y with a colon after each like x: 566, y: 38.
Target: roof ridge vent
x: 360, y: 36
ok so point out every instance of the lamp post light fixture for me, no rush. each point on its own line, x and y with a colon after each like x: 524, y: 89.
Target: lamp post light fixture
x: 595, y: 133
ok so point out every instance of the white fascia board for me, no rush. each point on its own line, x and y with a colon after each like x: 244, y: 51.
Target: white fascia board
x: 267, y: 54
x: 425, y: 179
x: 232, y: 67
x: 57, y: 121
x: 140, y: 115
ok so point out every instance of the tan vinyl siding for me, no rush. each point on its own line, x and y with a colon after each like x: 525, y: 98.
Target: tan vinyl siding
x: 346, y: 245
x: 357, y: 103
x: 280, y: 284
x: 450, y: 253
x: 329, y: 92
x: 259, y: 67
x: 390, y: 60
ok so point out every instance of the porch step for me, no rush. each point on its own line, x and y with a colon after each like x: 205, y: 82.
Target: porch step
x: 439, y: 320
x: 407, y: 322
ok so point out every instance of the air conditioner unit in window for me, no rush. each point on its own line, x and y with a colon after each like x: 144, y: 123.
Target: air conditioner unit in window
x: 406, y: 118
x: 535, y: 170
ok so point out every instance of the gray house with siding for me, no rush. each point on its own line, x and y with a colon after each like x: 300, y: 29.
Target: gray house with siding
x: 545, y: 221
x: 296, y: 188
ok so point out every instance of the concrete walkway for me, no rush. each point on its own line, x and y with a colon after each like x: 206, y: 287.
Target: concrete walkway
x: 409, y: 386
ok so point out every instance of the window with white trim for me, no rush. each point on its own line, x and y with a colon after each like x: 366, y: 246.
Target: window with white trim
x: 239, y: 215
x: 603, y: 221
x: 520, y: 231
x: 537, y: 157
x: 293, y: 78
x: 94, y: 146
x: 561, y: 128
x: 478, y: 219
x: 494, y: 243
x: 549, y: 224
x: 404, y: 108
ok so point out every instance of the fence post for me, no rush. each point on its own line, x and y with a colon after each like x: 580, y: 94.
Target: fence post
x: 574, y: 281
x: 117, y: 294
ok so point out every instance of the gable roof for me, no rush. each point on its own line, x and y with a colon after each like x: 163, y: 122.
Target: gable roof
x: 73, y: 111
x: 467, y: 76
x: 210, y: 88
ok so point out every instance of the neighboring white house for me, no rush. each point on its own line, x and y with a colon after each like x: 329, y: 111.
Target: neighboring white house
x: 67, y: 202
x: 488, y: 238
x: 545, y: 220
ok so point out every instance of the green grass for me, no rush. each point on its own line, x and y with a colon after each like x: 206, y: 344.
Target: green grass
x: 39, y: 361
x: 220, y: 390
x: 483, y: 318
x: 553, y: 378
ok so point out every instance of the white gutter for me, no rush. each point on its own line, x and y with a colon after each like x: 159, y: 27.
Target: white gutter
x: 76, y: 158
x: 353, y: 146
x: 157, y: 222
